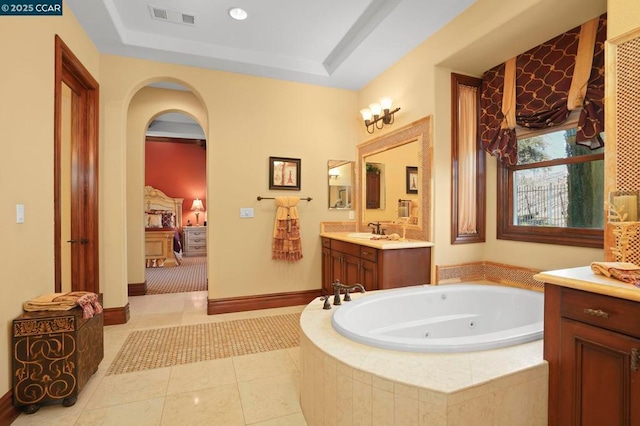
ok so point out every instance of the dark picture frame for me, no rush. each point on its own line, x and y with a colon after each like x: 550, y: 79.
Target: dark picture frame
x: 284, y: 173
x: 412, y: 180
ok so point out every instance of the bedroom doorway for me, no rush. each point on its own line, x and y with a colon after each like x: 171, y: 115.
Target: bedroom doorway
x: 75, y: 174
x: 175, y: 164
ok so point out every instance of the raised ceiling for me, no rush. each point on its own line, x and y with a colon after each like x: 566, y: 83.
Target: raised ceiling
x: 338, y: 43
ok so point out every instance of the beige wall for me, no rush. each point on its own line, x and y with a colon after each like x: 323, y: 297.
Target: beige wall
x: 486, y: 34
x: 623, y: 16
x: 26, y: 175
x: 248, y: 119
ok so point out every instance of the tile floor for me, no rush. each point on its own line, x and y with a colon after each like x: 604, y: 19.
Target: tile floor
x: 259, y: 389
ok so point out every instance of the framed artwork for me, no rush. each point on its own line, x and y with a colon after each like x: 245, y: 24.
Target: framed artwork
x: 412, y: 180
x: 284, y: 173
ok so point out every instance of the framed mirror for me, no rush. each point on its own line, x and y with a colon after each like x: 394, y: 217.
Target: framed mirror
x: 340, y: 184
x: 394, y: 154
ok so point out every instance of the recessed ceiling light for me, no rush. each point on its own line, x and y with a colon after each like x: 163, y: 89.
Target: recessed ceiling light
x: 238, y: 13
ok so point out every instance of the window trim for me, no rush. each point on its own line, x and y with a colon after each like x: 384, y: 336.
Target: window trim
x: 506, y: 230
x: 480, y: 157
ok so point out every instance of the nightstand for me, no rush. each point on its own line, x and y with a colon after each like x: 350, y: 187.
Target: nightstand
x: 195, y: 240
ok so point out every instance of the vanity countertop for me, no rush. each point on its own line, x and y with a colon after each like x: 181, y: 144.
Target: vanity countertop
x: 375, y: 243
x: 583, y: 278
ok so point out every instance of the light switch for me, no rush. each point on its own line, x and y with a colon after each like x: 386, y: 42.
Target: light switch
x: 246, y: 212
x: 19, y: 213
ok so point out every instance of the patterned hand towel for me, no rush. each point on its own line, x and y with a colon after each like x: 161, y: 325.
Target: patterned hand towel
x: 286, y: 230
x: 622, y: 271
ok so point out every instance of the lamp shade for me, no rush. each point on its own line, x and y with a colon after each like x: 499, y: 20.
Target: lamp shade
x: 197, y: 205
x: 366, y: 114
x: 386, y: 103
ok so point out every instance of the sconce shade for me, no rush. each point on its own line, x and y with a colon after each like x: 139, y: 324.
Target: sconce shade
x: 366, y: 114
x: 386, y: 103
x: 381, y: 114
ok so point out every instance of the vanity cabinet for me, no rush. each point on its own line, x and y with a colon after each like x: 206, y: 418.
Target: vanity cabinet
x: 374, y: 268
x: 592, y: 344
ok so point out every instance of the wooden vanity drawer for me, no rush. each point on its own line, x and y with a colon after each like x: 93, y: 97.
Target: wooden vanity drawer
x: 344, y: 247
x: 369, y: 253
x: 326, y: 242
x: 602, y: 311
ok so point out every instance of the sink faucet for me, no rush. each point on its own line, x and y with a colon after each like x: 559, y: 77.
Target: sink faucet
x: 375, y: 227
x: 337, y: 286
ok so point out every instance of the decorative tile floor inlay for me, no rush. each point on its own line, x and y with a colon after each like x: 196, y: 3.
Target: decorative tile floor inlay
x: 166, y: 347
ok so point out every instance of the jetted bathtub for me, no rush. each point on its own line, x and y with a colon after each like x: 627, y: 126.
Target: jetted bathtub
x: 444, y: 318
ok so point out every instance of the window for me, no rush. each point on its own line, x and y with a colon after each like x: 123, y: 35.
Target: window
x: 555, y: 193
x: 468, y: 180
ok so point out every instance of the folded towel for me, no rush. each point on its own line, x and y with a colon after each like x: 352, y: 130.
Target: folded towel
x: 64, y: 301
x: 623, y: 271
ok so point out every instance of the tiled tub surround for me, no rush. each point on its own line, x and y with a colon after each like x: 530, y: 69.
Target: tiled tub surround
x: 347, y: 383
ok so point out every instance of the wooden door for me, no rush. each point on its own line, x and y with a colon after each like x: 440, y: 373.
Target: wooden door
x: 351, y: 269
x: 327, y: 276
x: 373, y: 190
x: 599, y: 381
x: 369, y: 275
x: 337, y: 271
x: 75, y: 174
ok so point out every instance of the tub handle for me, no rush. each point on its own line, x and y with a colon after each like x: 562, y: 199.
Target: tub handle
x: 596, y: 312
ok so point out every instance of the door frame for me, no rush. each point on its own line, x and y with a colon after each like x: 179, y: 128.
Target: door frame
x: 70, y: 71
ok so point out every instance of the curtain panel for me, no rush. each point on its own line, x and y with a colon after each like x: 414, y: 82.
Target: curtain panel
x: 545, y: 89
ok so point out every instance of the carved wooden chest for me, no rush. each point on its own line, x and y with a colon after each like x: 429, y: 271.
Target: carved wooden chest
x: 54, y: 355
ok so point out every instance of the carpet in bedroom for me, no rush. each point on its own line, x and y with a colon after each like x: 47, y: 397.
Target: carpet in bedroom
x: 190, y: 276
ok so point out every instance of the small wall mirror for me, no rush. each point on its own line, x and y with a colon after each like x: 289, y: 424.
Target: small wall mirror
x: 340, y: 175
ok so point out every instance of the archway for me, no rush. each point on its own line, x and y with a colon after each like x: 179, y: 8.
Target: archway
x: 175, y: 165
x: 146, y: 104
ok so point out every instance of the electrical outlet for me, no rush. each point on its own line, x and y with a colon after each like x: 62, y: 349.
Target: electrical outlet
x: 246, y: 212
x: 352, y: 215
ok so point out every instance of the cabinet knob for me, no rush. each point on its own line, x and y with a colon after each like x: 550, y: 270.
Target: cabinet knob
x: 596, y: 312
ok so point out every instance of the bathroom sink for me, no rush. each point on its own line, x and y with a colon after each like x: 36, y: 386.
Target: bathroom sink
x: 363, y: 235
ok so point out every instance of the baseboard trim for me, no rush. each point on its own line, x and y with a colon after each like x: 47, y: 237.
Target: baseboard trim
x: 137, y: 289
x: 115, y: 316
x: 262, y: 301
x: 8, y: 413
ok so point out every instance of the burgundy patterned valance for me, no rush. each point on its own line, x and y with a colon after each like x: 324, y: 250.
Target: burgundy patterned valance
x: 543, y: 81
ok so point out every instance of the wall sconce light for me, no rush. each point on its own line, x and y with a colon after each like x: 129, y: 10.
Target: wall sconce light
x: 378, y: 113
x: 197, y: 207
x: 334, y: 173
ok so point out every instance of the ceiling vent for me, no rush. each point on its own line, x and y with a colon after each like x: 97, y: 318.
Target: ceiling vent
x: 174, y: 16
x: 188, y: 19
